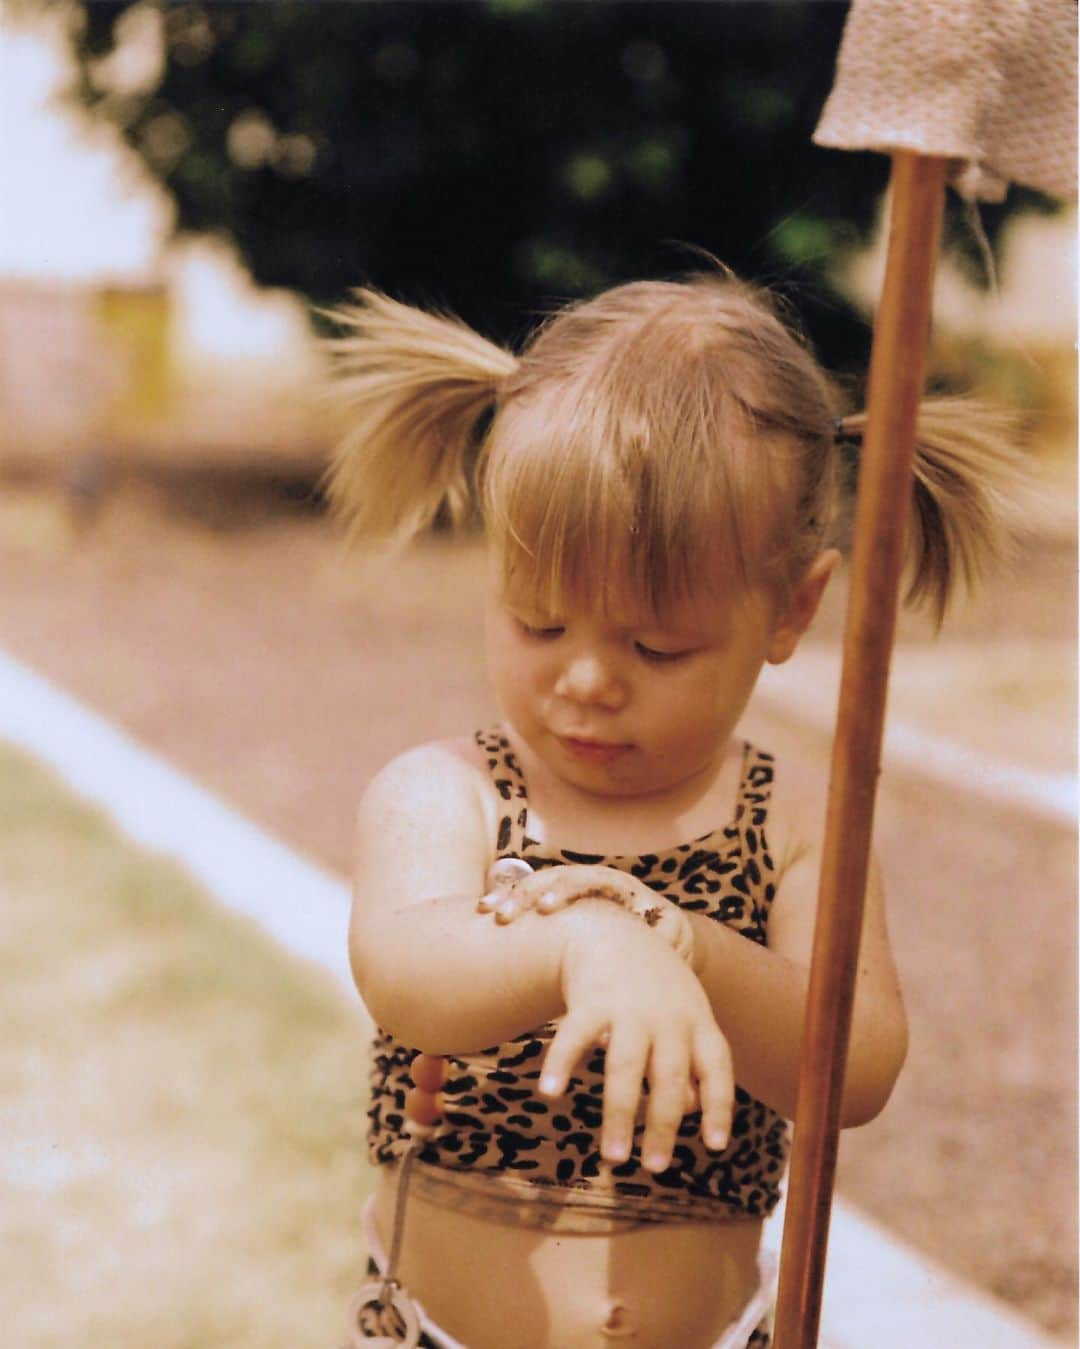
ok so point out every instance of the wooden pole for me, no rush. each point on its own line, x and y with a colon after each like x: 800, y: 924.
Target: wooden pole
x: 897, y: 366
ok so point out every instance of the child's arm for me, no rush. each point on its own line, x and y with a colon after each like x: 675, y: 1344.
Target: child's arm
x: 759, y: 997
x: 446, y: 979
x: 429, y: 968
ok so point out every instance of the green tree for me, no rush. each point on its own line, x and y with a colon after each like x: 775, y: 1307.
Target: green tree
x: 495, y: 154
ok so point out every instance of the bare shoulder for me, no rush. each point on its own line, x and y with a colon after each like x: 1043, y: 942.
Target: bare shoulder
x: 422, y: 830
x: 455, y: 762
x: 442, y: 782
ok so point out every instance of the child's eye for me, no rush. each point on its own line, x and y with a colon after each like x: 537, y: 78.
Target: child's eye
x: 660, y: 657
x: 538, y: 632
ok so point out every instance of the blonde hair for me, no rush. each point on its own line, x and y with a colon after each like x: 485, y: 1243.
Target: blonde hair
x: 669, y: 437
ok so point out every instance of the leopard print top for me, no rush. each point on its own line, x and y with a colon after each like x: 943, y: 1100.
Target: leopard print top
x: 502, y: 1144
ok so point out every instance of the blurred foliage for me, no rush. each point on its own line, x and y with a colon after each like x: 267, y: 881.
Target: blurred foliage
x: 493, y: 155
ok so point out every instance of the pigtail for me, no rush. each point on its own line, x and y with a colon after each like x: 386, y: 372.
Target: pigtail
x: 967, y: 472
x: 409, y: 388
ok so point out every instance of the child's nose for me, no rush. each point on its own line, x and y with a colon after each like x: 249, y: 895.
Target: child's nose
x: 588, y: 678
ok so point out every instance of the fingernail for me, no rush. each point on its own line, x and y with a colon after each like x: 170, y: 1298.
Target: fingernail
x: 549, y: 1085
x: 617, y: 1150
x: 547, y: 901
x: 656, y: 1161
x: 717, y: 1140
x: 505, y: 912
x: 486, y: 902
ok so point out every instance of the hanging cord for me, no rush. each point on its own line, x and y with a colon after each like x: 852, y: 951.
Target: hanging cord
x: 986, y: 253
x: 423, y: 1111
x: 390, y: 1280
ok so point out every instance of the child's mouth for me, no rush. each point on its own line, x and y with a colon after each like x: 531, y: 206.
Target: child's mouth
x: 595, y: 751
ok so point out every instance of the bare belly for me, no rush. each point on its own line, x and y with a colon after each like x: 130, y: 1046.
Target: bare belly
x: 655, y: 1285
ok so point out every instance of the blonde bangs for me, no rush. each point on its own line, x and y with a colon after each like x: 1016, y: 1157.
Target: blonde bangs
x: 611, y: 492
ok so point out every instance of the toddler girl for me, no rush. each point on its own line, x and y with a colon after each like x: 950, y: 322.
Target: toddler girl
x: 660, y: 475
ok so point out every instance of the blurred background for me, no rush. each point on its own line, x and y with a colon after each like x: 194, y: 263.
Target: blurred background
x: 184, y: 189
x: 186, y: 185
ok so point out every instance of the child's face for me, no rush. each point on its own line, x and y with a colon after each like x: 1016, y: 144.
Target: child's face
x: 628, y: 704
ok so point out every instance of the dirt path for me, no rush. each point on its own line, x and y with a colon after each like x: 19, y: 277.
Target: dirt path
x: 255, y: 661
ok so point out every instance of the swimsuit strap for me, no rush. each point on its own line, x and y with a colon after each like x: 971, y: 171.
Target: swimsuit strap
x: 755, y: 789
x: 751, y: 826
x: 509, y: 783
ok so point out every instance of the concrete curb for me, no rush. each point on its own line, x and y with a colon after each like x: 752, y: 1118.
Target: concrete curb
x: 879, y: 1293
x: 301, y: 906
x: 809, y: 694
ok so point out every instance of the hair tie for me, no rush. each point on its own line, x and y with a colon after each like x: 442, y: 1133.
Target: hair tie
x: 845, y: 436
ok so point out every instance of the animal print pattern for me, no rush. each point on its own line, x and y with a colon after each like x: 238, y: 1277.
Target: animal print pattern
x: 495, y: 1121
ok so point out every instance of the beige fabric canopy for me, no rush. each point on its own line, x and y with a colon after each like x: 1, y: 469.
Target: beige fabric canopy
x: 990, y: 84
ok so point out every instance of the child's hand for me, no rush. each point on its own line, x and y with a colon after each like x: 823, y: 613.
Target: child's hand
x: 625, y: 989
x: 516, y: 888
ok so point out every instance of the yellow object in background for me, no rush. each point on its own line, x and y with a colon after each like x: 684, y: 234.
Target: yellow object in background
x: 136, y: 324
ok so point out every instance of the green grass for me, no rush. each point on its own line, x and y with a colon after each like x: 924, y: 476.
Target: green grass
x: 182, y: 1106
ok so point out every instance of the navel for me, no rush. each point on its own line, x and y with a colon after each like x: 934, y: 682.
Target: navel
x: 621, y: 1322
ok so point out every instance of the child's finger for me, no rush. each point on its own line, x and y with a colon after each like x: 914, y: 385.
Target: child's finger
x: 549, y: 891
x: 575, y: 1036
x: 504, y: 905
x: 624, y: 1072
x: 668, y: 1075
x: 716, y: 1088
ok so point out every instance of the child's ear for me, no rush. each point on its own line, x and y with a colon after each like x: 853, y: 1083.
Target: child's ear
x: 801, y: 607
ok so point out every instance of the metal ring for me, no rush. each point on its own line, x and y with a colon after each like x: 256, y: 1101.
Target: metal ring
x: 372, y: 1294
x: 505, y: 872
